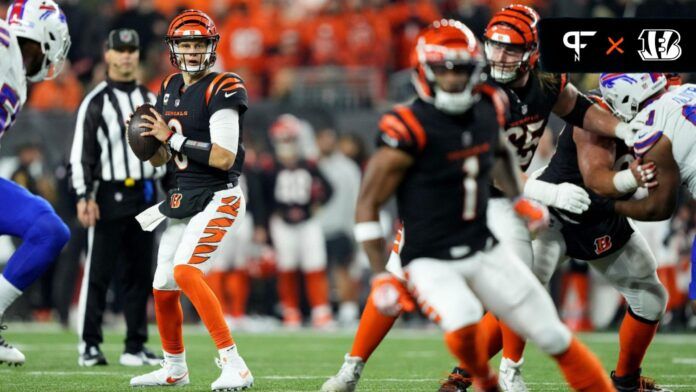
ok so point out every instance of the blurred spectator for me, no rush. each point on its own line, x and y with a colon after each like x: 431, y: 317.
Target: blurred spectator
x: 62, y: 93
x: 150, y: 25
x: 407, y: 18
x: 368, y: 36
x: 473, y: 13
x: 326, y: 35
x: 337, y: 221
x: 352, y: 146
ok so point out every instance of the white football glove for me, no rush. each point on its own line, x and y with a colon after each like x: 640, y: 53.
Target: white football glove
x: 631, y: 132
x: 563, y: 196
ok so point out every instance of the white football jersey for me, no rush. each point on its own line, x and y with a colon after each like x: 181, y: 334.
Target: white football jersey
x: 673, y: 115
x: 13, y: 82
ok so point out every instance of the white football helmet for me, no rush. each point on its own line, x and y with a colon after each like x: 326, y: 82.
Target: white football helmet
x: 44, y: 22
x: 624, y: 92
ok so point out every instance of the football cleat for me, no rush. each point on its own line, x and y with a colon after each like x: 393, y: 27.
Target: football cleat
x: 635, y: 383
x: 347, y: 377
x: 457, y: 381
x: 92, y: 356
x: 170, y: 375
x: 510, y: 377
x: 235, y: 375
x: 9, y: 354
x: 141, y: 358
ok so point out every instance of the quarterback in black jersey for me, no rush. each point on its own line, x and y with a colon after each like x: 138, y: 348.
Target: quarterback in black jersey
x: 438, y: 156
x: 198, y: 117
x: 606, y: 240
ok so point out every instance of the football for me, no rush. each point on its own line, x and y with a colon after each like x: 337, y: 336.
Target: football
x: 144, y: 147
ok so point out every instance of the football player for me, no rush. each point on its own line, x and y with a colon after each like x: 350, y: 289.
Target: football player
x: 669, y: 114
x: 438, y: 155
x: 295, y: 189
x: 608, y: 242
x: 512, y: 52
x: 198, y: 118
x: 34, y: 43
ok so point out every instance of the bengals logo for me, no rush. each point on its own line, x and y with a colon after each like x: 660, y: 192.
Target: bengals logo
x: 602, y: 244
x: 175, y: 200
x: 660, y: 44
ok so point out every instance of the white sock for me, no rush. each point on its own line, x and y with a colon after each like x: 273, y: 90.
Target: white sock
x: 8, y: 294
x: 176, y: 359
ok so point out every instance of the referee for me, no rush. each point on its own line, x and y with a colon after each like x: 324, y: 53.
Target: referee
x: 112, y: 187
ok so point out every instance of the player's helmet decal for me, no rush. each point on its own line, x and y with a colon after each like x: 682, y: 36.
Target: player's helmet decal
x: 451, y: 44
x: 624, y: 92
x: 514, y: 25
x: 192, y: 25
x: 44, y: 22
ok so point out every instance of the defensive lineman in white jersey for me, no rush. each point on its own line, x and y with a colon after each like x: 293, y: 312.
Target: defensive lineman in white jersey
x: 34, y: 42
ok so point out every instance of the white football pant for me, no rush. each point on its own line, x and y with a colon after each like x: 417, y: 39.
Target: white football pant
x: 299, y: 246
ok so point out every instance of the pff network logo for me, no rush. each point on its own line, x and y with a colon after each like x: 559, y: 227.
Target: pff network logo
x: 657, y: 44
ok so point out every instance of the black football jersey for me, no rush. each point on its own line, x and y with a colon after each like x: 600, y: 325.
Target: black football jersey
x: 599, y: 231
x: 443, y: 197
x: 294, y: 191
x: 530, y: 108
x: 188, y: 112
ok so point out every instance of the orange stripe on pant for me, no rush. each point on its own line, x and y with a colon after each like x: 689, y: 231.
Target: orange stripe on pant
x: 213, y: 233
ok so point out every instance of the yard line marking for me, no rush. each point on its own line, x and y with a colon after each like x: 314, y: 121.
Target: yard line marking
x: 684, y: 361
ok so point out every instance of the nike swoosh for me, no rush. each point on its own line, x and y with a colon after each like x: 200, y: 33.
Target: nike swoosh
x: 173, y: 380
x: 227, y: 95
x: 244, y: 374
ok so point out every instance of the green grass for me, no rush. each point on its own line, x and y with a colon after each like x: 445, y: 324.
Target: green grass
x: 281, y: 361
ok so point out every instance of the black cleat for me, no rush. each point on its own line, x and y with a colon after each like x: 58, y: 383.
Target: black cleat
x: 458, y: 381
x: 635, y: 383
x: 92, y: 357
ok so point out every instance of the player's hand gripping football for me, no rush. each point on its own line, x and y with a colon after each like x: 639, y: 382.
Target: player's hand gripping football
x: 644, y: 173
x: 535, y: 214
x: 390, y: 295
x: 158, y: 128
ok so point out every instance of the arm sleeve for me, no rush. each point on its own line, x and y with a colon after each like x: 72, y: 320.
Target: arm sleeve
x: 224, y: 129
x: 85, y: 152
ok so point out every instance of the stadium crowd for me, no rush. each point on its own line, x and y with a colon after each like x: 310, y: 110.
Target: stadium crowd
x: 333, y: 65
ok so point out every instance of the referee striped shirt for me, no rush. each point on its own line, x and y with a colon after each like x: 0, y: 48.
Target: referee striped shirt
x: 100, y: 151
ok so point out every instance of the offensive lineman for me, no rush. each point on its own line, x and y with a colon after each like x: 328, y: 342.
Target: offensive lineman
x: 34, y: 43
x: 608, y: 242
x: 200, y: 123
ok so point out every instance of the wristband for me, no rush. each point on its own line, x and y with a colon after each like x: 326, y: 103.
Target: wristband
x: 176, y: 141
x: 625, y: 182
x: 367, y: 231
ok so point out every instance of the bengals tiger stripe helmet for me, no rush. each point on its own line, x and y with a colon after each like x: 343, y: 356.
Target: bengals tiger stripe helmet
x: 192, y: 25
x: 513, y: 26
x: 450, y: 44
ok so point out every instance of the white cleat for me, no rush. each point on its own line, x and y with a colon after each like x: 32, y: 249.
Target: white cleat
x: 235, y: 375
x: 9, y: 354
x: 510, y: 376
x: 347, y: 377
x: 170, y: 375
x: 144, y: 357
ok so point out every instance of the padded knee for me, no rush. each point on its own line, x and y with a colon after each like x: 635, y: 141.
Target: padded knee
x: 648, y: 302
x: 551, y: 338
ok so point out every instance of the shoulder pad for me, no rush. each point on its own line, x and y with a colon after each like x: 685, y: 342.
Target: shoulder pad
x: 226, y: 82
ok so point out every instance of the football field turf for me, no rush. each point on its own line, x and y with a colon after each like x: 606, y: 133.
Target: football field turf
x: 408, y: 360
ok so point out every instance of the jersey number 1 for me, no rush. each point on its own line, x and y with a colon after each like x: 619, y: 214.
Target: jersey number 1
x: 180, y: 159
x: 471, y: 170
